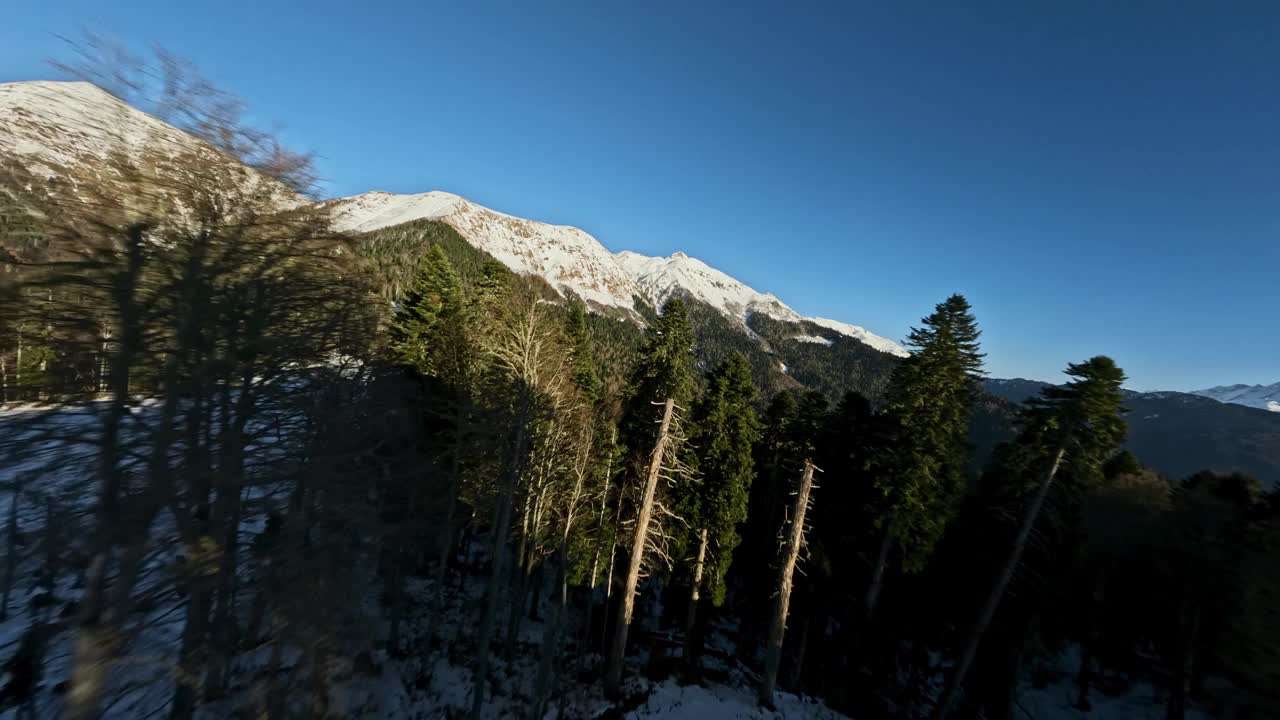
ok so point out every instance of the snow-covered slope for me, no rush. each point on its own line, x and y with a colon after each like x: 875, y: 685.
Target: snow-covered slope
x: 68, y: 130
x: 570, y: 259
x: 859, y: 333
x: 1265, y: 397
x: 566, y: 257
x: 658, y: 278
x: 73, y: 131
x: 60, y: 125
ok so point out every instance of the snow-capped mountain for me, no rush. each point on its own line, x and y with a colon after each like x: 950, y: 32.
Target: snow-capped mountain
x: 572, y: 260
x: 568, y: 258
x: 68, y: 130
x: 660, y: 277
x: 1265, y: 397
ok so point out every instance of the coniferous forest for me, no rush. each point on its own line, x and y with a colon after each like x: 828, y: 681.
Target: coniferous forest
x: 253, y: 467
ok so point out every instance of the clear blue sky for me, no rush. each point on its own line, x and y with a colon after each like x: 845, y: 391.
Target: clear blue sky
x: 1096, y: 177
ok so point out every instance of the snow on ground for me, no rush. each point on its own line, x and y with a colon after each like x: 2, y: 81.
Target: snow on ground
x: 673, y: 701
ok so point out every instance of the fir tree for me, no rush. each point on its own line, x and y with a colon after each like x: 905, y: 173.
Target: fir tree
x: 920, y: 460
x: 665, y: 369
x: 1073, y: 429
x: 580, y: 346
x: 726, y: 429
x: 428, y: 331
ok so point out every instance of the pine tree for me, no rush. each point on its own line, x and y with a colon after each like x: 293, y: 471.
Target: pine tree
x: 429, y: 329
x: 579, y: 341
x: 726, y: 429
x: 663, y: 377
x: 1073, y: 429
x: 665, y: 369
x: 919, y: 464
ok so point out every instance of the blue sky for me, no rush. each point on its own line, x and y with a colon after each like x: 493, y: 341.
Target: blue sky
x: 1096, y: 177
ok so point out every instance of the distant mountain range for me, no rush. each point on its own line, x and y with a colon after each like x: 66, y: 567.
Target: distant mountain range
x: 1182, y: 433
x: 1263, y: 397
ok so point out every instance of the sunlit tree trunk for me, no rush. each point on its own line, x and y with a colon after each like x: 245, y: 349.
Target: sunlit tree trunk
x: 626, y: 605
x: 791, y: 553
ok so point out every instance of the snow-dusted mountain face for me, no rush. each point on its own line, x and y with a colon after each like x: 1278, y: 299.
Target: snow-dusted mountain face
x: 56, y: 126
x: 574, y: 261
x: 70, y: 131
x: 566, y: 257
x: 659, y: 278
x: 1265, y: 397
x: 77, y: 133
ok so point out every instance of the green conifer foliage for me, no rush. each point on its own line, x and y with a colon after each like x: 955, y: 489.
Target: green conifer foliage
x: 921, y: 460
x: 726, y: 430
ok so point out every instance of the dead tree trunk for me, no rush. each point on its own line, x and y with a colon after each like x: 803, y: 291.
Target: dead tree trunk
x: 791, y: 553
x: 618, y: 650
x: 691, y: 618
x: 997, y: 592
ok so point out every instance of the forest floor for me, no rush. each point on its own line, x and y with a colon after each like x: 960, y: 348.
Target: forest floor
x: 363, y: 682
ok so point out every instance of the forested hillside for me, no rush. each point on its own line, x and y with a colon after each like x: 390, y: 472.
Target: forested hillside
x: 253, y: 466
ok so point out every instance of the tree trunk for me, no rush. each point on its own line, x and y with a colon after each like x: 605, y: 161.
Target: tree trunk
x: 1188, y: 629
x: 446, y: 538
x: 778, y: 626
x: 550, y: 649
x: 691, y: 643
x: 802, y: 651
x: 501, y: 529
x: 872, y: 598
x: 97, y: 634
x: 618, y: 650
x: 952, y: 691
x: 11, y: 555
x: 520, y: 583
x: 224, y: 620
x: 1088, y: 648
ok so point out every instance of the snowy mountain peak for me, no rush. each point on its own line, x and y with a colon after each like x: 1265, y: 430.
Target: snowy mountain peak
x: 568, y: 258
x: 1264, y: 397
x: 658, y: 278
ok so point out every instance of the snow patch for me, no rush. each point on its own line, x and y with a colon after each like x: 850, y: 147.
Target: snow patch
x: 860, y: 333
x: 817, y: 339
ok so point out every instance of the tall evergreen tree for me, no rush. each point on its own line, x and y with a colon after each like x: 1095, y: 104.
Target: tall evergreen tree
x: 429, y: 329
x: 1073, y: 429
x: 920, y: 460
x: 665, y: 369
x: 726, y: 428
x: 579, y: 341
x: 725, y: 431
